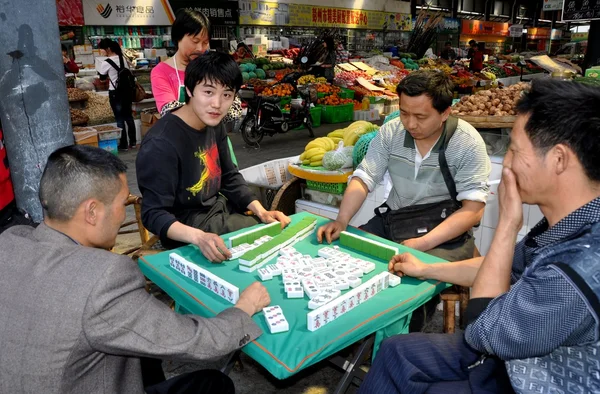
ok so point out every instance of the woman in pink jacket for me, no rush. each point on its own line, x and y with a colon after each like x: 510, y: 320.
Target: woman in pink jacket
x: 190, y: 34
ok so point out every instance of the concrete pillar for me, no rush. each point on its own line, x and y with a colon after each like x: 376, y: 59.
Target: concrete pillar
x: 592, y: 55
x: 34, y: 109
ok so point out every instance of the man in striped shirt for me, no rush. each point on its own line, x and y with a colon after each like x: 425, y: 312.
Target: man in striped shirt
x: 534, y: 314
x: 409, y: 149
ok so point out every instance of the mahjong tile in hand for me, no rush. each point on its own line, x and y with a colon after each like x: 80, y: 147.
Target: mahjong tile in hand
x: 394, y: 280
x: 275, y: 319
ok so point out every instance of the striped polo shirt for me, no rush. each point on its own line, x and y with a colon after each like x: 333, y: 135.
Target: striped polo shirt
x: 419, y: 180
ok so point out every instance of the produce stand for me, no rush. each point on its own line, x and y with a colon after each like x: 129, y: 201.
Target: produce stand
x: 317, y: 174
x: 489, y: 122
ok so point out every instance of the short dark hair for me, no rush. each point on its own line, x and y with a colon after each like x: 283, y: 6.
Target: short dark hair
x: 436, y: 85
x: 76, y: 173
x: 448, y: 43
x: 240, y: 45
x: 472, y: 42
x: 188, y: 22
x: 562, y: 112
x: 216, y: 67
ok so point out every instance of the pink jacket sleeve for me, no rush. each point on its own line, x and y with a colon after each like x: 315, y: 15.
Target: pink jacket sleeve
x: 161, y: 86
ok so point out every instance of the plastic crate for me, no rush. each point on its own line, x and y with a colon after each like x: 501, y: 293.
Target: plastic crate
x: 346, y: 93
x: 376, y: 99
x: 285, y: 100
x: 109, y: 145
x: 316, y: 113
x: 325, y: 187
x: 337, y: 113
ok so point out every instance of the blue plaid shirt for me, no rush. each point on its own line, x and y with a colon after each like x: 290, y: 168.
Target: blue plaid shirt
x: 546, y: 327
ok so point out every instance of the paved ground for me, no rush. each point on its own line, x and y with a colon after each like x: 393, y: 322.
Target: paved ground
x: 250, y: 377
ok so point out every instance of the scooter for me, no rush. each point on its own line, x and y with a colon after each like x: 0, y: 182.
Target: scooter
x: 265, y: 116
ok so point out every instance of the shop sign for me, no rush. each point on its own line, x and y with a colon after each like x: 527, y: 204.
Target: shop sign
x: 69, y: 12
x: 556, y: 34
x: 574, y: 10
x: 448, y: 25
x: 278, y: 14
x: 219, y: 12
x: 577, y: 37
x: 552, y: 5
x: 515, y: 30
x: 474, y: 27
x: 536, y: 33
x: 127, y: 12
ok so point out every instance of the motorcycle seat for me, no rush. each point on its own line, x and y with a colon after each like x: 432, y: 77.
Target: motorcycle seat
x: 272, y: 99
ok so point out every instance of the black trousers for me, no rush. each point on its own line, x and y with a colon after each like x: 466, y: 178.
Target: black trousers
x: 198, y: 382
x: 433, y: 363
x: 454, y: 251
x: 122, y: 110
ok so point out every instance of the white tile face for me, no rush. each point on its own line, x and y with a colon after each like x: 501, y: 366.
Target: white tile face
x: 275, y: 319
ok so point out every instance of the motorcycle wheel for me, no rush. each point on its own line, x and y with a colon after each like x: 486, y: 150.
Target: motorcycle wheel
x: 251, y: 136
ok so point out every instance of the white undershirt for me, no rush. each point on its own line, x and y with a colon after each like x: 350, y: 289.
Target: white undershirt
x: 419, y: 159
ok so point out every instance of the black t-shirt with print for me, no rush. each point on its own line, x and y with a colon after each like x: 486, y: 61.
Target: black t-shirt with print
x: 181, y: 169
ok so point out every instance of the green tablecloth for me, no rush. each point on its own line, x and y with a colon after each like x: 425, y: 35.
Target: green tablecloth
x: 285, y: 354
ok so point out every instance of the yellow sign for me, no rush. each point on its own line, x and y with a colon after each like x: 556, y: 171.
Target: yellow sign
x: 277, y: 14
x: 264, y: 13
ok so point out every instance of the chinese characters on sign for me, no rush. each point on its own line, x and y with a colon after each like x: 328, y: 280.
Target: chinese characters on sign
x: 278, y: 14
x: 329, y: 16
x: 126, y: 12
x: 219, y: 12
x: 580, y: 9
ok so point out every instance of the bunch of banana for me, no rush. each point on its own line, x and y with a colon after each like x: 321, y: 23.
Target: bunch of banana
x: 490, y: 75
x: 306, y: 79
x: 336, y: 136
x: 353, y: 132
x: 315, y: 149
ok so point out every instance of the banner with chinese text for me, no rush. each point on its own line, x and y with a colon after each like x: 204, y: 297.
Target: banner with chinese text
x: 302, y: 15
x: 219, y: 12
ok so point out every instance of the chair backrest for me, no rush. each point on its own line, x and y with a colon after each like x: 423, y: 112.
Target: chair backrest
x: 233, y: 158
x: 143, y: 232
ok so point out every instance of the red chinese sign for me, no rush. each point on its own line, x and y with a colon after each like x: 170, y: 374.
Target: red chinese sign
x: 535, y: 33
x: 485, y: 28
x: 69, y: 12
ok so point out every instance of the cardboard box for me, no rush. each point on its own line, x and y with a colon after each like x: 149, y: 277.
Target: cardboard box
x: 83, y: 49
x: 148, y: 121
x: 85, y: 60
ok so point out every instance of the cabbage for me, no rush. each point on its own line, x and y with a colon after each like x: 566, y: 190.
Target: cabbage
x: 339, y: 158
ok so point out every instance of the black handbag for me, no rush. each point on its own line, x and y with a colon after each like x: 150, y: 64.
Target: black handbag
x: 417, y: 220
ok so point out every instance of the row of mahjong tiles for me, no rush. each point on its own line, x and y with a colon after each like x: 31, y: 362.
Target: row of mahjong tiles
x: 260, y: 255
x: 322, y: 279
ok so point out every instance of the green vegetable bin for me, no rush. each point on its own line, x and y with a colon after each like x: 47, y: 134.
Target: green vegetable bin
x: 338, y: 113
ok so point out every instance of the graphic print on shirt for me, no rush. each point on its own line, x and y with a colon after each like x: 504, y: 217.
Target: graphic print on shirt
x: 210, y: 178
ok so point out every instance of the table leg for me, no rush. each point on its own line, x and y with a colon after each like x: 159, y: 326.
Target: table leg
x: 233, y: 357
x: 352, y: 367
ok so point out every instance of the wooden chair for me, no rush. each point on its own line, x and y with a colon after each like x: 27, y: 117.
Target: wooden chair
x: 449, y: 298
x: 125, y: 227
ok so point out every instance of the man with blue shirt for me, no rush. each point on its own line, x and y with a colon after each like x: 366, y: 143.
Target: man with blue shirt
x: 534, y: 314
